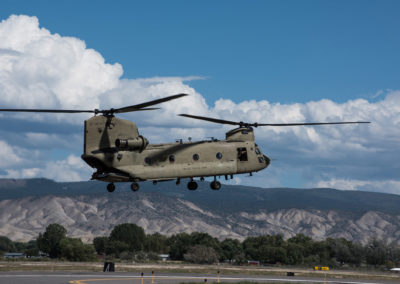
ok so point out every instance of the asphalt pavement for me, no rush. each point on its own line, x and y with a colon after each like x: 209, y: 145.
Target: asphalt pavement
x: 135, y: 278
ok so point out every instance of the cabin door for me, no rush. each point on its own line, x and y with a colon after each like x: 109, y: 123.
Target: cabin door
x: 242, y: 159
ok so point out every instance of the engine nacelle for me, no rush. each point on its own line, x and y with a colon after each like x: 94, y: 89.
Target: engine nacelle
x: 134, y: 144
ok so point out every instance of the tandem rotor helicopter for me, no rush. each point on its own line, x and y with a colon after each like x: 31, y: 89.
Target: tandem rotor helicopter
x: 117, y: 151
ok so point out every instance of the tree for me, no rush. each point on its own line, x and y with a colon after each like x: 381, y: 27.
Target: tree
x: 294, y: 253
x: 394, y: 255
x: 300, y: 239
x: 31, y: 248
x: 49, y: 242
x: 201, y: 254
x: 115, y: 248
x: 6, y: 245
x: 231, y: 250
x: 272, y: 255
x: 252, y: 246
x: 323, y: 250
x: 100, y: 244
x: 376, y: 253
x: 305, y: 243
x: 357, y: 254
x: 156, y: 243
x: 130, y: 234
x: 74, y: 250
x: 179, y: 245
x: 342, y: 250
x: 205, y: 239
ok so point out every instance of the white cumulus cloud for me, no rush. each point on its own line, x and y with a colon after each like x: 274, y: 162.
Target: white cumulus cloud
x: 40, y: 69
x: 388, y: 186
x: 43, y: 70
x: 9, y: 156
x: 70, y: 169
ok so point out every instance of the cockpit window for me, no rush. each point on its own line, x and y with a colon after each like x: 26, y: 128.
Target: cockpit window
x: 257, y: 151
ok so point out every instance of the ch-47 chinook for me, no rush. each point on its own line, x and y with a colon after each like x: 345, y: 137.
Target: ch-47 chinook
x: 117, y: 151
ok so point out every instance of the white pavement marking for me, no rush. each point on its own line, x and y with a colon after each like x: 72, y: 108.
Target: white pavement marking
x: 185, y: 277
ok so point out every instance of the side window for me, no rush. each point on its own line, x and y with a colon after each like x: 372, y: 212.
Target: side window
x: 242, y: 154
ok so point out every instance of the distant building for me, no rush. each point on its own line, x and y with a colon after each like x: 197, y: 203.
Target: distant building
x: 253, y: 262
x: 13, y: 255
x: 164, y: 257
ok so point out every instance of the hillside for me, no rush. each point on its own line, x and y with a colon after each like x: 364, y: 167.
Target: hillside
x: 87, y: 210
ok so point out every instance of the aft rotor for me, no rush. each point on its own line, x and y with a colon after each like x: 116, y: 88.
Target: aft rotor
x: 242, y: 124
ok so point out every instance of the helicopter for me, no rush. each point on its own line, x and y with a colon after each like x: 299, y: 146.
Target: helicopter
x: 118, y: 153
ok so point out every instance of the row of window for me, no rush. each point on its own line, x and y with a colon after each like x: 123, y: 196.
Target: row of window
x: 196, y: 157
x: 242, y: 156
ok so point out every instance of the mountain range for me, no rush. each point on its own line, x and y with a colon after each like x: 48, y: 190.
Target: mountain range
x: 87, y: 210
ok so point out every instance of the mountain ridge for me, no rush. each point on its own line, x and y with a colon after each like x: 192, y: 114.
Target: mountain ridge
x: 87, y: 210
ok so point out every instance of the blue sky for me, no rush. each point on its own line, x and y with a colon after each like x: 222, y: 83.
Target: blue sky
x: 264, y: 61
x: 283, y: 51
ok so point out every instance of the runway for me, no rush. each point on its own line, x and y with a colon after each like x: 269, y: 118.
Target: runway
x: 134, y: 278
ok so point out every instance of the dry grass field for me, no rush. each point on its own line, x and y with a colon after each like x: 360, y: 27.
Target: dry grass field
x: 159, y: 268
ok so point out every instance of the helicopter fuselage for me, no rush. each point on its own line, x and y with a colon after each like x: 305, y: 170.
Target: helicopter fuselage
x: 120, y: 154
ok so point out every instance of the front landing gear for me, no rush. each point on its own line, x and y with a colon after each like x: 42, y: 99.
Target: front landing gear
x: 110, y: 187
x: 135, y: 186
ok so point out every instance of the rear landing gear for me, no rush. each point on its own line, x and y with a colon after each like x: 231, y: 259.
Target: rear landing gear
x: 215, y: 185
x: 110, y: 187
x: 135, y: 186
x: 192, y: 185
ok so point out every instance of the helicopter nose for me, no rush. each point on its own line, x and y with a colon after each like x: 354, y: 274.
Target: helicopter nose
x: 267, y: 161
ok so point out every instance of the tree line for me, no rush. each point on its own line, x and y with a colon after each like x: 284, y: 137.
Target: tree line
x: 129, y: 242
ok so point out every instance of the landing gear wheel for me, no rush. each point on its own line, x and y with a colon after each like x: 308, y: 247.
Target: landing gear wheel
x: 192, y: 185
x: 135, y: 186
x: 215, y: 185
x: 110, y: 187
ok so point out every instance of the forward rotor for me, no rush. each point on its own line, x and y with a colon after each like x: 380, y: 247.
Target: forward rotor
x: 107, y: 112
x: 255, y: 124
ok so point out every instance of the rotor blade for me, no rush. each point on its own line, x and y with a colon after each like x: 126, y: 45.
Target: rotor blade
x: 47, y: 110
x: 309, y: 123
x: 147, y: 104
x: 245, y: 124
x: 215, y: 120
x: 140, y: 109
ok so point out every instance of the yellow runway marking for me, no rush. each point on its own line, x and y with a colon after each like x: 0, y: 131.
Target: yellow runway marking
x: 130, y: 278
x: 198, y: 278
